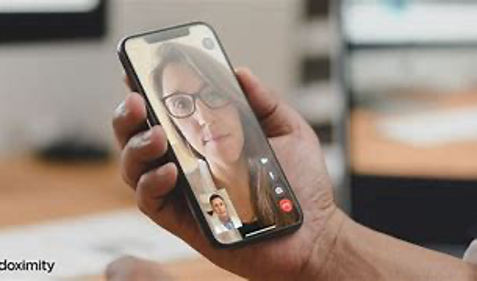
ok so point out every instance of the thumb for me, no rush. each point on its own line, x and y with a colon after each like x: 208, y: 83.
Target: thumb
x: 275, y: 116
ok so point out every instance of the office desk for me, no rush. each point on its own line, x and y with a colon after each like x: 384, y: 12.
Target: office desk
x: 34, y: 192
x: 372, y: 153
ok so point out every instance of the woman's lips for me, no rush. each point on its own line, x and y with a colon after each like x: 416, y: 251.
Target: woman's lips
x: 215, y: 138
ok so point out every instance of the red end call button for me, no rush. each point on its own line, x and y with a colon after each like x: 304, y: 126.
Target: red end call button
x: 286, y: 205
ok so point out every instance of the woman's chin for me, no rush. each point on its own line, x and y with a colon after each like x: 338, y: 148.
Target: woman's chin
x: 224, y: 157
x: 225, y: 152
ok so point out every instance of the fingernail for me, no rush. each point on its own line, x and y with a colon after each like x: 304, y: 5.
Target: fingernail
x: 142, y: 140
x: 164, y: 170
x: 248, y: 71
x: 251, y: 75
x: 121, y: 110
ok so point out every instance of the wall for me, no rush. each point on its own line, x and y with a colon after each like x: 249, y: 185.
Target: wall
x: 70, y: 88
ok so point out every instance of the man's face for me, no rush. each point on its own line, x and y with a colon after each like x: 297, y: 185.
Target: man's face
x: 219, y: 207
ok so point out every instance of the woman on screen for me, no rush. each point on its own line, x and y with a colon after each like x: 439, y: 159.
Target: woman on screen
x: 210, y: 113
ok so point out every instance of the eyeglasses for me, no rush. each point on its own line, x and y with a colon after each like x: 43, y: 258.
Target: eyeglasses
x: 183, y: 105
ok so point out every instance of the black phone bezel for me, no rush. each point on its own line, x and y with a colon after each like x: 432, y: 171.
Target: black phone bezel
x: 182, y: 182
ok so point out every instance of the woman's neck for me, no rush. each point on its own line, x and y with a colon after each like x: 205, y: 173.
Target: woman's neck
x: 230, y: 174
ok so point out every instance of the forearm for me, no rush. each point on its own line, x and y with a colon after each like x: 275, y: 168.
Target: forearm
x: 360, y: 253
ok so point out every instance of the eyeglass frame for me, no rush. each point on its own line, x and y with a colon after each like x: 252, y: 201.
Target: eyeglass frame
x: 194, y: 98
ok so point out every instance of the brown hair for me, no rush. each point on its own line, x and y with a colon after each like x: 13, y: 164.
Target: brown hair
x: 217, y: 75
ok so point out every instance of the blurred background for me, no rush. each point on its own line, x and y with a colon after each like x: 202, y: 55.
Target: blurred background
x: 388, y: 85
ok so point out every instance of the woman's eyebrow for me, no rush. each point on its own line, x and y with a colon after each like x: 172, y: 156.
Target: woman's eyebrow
x: 201, y: 89
x: 175, y: 93
x: 180, y: 93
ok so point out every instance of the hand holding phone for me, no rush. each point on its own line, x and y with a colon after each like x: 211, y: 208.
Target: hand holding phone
x: 231, y: 177
x: 291, y: 138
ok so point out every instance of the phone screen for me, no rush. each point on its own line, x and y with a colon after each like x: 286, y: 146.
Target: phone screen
x: 219, y: 144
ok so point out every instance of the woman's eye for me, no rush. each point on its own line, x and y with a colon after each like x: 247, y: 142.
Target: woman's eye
x: 180, y: 103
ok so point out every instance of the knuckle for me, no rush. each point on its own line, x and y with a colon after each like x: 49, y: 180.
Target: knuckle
x: 127, y: 170
x: 119, y: 113
x: 142, y: 200
x: 159, y: 146
x: 126, y: 265
x: 116, y: 124
x: 127, y: 180
x: 143, y: 206
x: 146, y: 146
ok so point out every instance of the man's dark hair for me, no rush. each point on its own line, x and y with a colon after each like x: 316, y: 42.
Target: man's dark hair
x: 215, y: 196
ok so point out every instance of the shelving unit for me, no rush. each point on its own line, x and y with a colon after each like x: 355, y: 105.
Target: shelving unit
x: 317, y: 97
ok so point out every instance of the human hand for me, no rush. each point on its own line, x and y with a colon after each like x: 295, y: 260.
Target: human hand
x: 130, y: 268
x: 296, y: 256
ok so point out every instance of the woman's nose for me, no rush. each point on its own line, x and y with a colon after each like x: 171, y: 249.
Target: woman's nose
x: 203, y: 114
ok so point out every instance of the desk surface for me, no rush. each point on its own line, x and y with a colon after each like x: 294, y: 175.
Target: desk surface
x: 373, y: 153
x: 34, y: 192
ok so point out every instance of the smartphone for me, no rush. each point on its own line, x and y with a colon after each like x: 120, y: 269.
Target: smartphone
x: 228, y: 171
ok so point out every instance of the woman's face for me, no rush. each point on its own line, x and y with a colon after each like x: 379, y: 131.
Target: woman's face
x: 215, y: 133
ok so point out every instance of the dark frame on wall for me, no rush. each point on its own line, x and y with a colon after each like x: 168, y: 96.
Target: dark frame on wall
x: 43, y: 26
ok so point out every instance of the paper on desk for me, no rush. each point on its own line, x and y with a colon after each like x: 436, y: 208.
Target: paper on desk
x: 432, y: 128
x: 84, y: 246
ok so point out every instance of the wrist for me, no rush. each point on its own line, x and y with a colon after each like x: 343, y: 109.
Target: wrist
x: 325, y: 248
